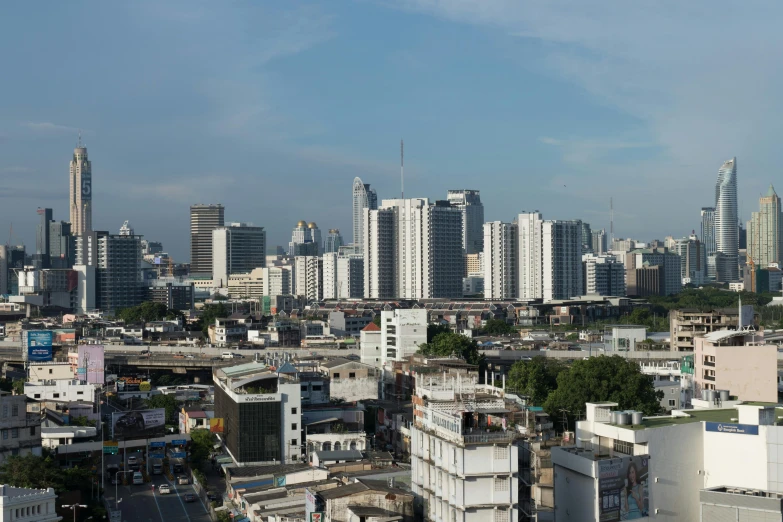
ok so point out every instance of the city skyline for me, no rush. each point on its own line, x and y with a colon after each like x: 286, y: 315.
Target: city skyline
x: 186, y: 133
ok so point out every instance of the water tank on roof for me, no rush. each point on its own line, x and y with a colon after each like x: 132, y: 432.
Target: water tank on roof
x: 704, y: 394
x: 724, y: 395
x: 615, y: 416
x: 636, y: 418
x: 623, y: 419
x: 711, y: 395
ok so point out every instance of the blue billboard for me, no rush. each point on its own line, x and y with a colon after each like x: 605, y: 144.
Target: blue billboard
x: 739, y: 429
x: 39, y: 345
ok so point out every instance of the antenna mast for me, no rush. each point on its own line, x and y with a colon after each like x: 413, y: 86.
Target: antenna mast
x: 402, y: 169
x: 611, y: 221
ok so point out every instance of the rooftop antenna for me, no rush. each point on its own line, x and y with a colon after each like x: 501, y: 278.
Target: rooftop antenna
x: 611, y: 221
x: 79, y: 145
x: 402, y: 169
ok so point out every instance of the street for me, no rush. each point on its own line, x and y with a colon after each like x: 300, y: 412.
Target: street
x: 140, y: 504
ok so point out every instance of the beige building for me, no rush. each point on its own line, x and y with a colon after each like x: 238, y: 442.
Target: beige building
x: 351, y: 380
x: 737, y: 361
x: 81, y: 191
x: 473, y: 264
x: 764, y: 231
x: 247, y: 286
x: 687, y: 324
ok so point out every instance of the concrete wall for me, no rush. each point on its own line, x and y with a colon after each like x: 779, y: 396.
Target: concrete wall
x: 357, y: 389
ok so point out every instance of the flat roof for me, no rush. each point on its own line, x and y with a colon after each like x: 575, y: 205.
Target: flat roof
x: 693, y: 416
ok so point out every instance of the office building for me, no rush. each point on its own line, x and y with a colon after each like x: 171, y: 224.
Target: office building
x: 726, y: 219
x: 402, y: 332
x: 602, y: 275
x: 116, y: 261
x: 645, y: 280
x: 468, y: 202
x: 762, y: 280
x: 333, y: 241
x: 278, y: 280
x: 363, y: 198
x: 238, y: 248
x: 764, y: 231
x: 41, y: 258
x: 500, y: 260
x: 203, y: 220
x: 708, y: 230
x: 464, y: 456
x: 81, y: 191
x: 176, y: 296
x: 380, y: 251
x: 343, y: 276
x: 305, y: 240
x: 599, y: 242
x: 308, y: 279
x: 262, y: 412
x: 693, y: 260
x: 62, y: 245
x: 587, y: 238
x: 474, y: 264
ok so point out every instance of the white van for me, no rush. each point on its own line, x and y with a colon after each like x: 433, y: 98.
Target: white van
x: 227, y: 355
x: 138, y: 478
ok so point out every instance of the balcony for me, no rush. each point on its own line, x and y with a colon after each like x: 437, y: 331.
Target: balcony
x: 709, y: 363
x: 709, y: 378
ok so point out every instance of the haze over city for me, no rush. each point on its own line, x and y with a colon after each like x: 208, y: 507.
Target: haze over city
x: 272, y: 109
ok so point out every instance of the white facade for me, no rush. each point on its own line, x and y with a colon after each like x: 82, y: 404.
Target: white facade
x: 531, y: 282
x: 370, y: 345
x: 500, y: 260
x: 379, y: 253
x: 50, y: 371
x: 460, y: 471
x: 402, y: 331
x: 61, y: 390
x: 726, y: 219
x: 599, y: 242
x: 562, y: 259
x: 343, y: 276
x: 28, y: 505
x: 309, y: 277
x: 278, y: 280
x: 81, y: 191
x: 468, y: 202
x: 364, y: 198
x: 238, y: 248
x: 603, y: 275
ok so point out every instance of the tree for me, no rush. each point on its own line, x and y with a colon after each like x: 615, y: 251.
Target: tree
x: 435, y: 329
x: 165, y: 401
x: 19, y: 386
x: 31, y: 471
x: 597, y: 379
x: 377, y: 320
x: 201, y: 445
x: 81, y: 421
x: 497, y: 327
x: 209, y: 314
x: 147, y: 311
x: 535, y: 378
x: 446, y: 344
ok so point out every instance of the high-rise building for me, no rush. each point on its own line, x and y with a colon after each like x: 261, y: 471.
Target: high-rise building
x: 693, y: 260
x: 599, y: 242
x: 343, y: 276
x: 203, y: 220
x: 41, y: 258
x: 278, y: 280
x: 126, y: 229
x: 764, y: 231
x: 587, y: 238
x: 500, y: 260
x: 666, y: 281
x: 550, y: 258
x: 380, y: 250
x: 81, y: 191
x: 333, y: 241
x: 117, y: 263
x: 468, y: 202
x: 62, y: 245
x: 708, y: 230
x: 238, y: 248
x: 402, y: 333
x: 305, y: 240
x: 363, y: 198
x: 309, y: 278
x: 603, y: 275
x: 726, y: 219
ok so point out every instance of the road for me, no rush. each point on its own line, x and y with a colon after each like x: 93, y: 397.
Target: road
x: 141, y: 504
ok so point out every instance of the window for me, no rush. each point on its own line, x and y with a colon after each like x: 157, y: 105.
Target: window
x: 304, y: 387
x: 440, y: 478
x: 316, y: 387
x: 673, y: 390
x: 501, y: 484
x: 672, y: 402
x: 5, y: 434
x: 14, y: 433
x: 32, y: 430
x: 79, y: 393
x: 501, y: 516
x: 5, y: 410
x: 37, y: 396
x: 15, y: 410
x: 293, y: 411
x: 352, y: 375
x: 293, y: 426
x: 501, y: 452
x: 440, y: 450
x: 623, y: 447
x: 56, y: 395
x: 454, y: 455
x: 51, y: 371
x: 293, y: 442
x: 336, y: 376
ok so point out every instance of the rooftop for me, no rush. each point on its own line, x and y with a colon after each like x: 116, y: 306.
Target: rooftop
x: 692, y: 416
x: 260, y: 471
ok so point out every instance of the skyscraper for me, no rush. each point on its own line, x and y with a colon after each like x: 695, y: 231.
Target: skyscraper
x: 117, y: 263
x: 81, y: 191
x: 468, y: 202
x: 237, y: 249
x: 305, y: 240
x: 363, y: 197
x: 41, y: 256
x: 708, y: 230
x: 529, y: 258
x: 62, y: 245
x: 599, y: 242
x: 726, y: 229
x: 203, y: 220
x: 587, y: 238
x: 380, y: 276
x: 333, y: 241
x: 764, y: 231
x: 500, y: 260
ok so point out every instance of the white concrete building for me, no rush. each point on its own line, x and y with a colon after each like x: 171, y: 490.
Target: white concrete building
x: 20, y: 431
x: 603, y: 275
x: 370, y: 345
x: 343, y: 276
x: 364, y: 198
x: 464, y: 462
x: 309, y: 277
x: 562, y: 259
x: 278, y: 280
x: 402, y: 332
x: 530, y: 259
x: 238, y: 248
x: 671, y: 460
x: 80, y: 191
x: 28, y: 505
x: 50, y: 371
x: 61, y: 390
x: 500, y: 260
x: 379, y: 252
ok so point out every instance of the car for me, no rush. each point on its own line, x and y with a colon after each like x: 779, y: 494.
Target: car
x: 182, y: 479
x: 132, y: 460
x: 189, y: 356
x: 134, y: 467
x: 214, y: 497
x: 145, y: 352
x: 216, y: 359
x: 190, y: 497
x: 238, y: 356
x: 164, y: 489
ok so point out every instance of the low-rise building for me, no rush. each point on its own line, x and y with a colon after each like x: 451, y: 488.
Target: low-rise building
x: 28, y: 505
x: 20, y: 431
x: 370, y: 345
x: 351, y: 381
x: 688, y: 323
x: 227, y: 331
x: 363, y: 500
x: 342, y: 324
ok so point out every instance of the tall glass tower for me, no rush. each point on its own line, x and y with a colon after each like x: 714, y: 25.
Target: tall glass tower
x: 81, y: 191
x: 726, y: 219
x: 363, y: 197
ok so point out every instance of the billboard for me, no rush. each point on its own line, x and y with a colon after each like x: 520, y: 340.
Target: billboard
x: 90, y: 368
x: 623, y: 490
x: 138, y: 424
x: 725, y: 427
x: 38, y: 344
x: 216, y: 425
x: 182, y: 423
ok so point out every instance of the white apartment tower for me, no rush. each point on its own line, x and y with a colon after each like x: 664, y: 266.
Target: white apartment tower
x: 363, y: 198
x: 343, y: 276
x: 81, y: 191
x: 277, y: 280
x: 726, y: 221
x: 309, y: 277
x: 603, y: 275
x: 464, y: 460
x: 468, y: 202
x: 500, y: 260
x: 530, y: 276
x: 379, y: 229
x: 402, y: 332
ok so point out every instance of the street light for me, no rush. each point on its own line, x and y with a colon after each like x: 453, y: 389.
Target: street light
x: 73, y: 508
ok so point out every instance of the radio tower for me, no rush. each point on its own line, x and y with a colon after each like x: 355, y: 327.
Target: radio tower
x: 611, y: 222
x: 402, y: 169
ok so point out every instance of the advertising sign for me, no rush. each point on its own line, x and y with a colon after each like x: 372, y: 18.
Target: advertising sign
x: 216, y: 425
x: 139, y: 424
x: 90, y: 367
x: 623, y: 490
x: 317, y: 516
x: 38, y: 344
x: 182, y: 422
x: 738, y: 429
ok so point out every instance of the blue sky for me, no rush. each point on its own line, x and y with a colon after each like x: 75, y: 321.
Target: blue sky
x: 272, y: 108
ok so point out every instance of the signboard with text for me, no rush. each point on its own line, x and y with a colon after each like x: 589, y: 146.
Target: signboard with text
x: 139, y: 424
x: 623, y: 490
x: 91, y: 360
x: 38, y: 344
x: 737, y: 429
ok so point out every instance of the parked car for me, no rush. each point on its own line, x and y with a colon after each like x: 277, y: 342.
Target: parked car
x: 132, y: 460
x: 182, y: 479
x: 190, y: 497
x: 238, y: 356
x: 164, y: 489
x: 214, y: 497
x: 189, y: 356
